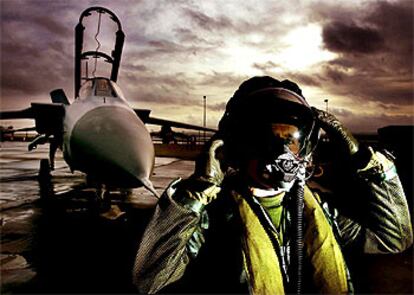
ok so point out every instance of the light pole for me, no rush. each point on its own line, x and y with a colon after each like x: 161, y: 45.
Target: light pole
x: 205, y: 116
x: 326, y: 101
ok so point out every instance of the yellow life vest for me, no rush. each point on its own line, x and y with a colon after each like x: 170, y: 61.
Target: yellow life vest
x: 261, y: 261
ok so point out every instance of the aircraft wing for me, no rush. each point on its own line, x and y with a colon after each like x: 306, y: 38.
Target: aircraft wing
x: 147, y: 119
x: 21, y: 114
x: 157, y: 121
x: 18, y: 130
x: 48, y: 116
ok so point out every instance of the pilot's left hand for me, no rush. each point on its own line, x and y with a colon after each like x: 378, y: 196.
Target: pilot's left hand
x: 334, y: 128
x: 339, y: 133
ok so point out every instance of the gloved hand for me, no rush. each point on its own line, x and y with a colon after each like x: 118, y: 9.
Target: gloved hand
x: 359, y: 155
x: 204, y: 185
x: 336, y: 131
x: 208, y: 166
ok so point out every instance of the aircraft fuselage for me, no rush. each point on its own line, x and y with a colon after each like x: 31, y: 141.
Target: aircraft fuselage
x: 103, y: 137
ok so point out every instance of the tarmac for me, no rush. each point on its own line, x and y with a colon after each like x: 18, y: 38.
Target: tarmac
x: 55, y: 241
x: 59, y: 243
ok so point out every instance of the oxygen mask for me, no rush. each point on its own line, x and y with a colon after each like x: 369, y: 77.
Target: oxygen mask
x: 284, y: 170
x: 283, y: 162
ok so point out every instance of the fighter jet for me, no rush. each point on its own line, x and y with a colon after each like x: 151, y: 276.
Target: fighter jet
x: 99, y: 132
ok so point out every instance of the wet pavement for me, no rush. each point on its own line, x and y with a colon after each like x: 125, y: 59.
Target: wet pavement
x: 54, y: 240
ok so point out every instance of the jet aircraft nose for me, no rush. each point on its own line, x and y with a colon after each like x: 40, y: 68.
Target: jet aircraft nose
x: 112, y: 144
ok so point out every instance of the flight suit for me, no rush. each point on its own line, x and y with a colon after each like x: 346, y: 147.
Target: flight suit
x: 233, y: 246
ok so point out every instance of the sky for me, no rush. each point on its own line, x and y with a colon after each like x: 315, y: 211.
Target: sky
x: 356, y: 54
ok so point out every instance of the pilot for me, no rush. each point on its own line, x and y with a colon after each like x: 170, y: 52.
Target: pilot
x: 250, y: 221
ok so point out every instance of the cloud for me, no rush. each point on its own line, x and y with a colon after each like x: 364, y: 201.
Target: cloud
x: 221, y: 79
x: 130, y: 67
x: 374, y: 52
x: 36, y: 51
x: 304, y: 79
x: 341, y: 112
x: 218, y: 107
x: 187, y: 35
x: 267, y: 66
x: 51, y: 25
x: 370, y: 123
x: 150, y: 86
x: 350, y: 38
x: 208, y: 23
x: 30, y: 72
x: 269, y: 69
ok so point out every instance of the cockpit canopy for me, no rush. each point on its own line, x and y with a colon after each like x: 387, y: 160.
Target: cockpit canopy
x: 100, y: 87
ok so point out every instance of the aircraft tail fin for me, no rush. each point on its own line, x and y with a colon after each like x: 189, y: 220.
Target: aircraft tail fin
x: 59, y: 96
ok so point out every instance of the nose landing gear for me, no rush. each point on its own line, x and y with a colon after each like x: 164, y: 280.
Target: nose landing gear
x: 103, y: 203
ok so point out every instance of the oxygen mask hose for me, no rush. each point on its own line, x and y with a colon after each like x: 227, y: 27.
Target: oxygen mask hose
x: 297, y: 235
x: 297, y: 205
x: 289, y: 173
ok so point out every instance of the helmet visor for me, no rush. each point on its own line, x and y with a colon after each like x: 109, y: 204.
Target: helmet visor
x: 280, y: 125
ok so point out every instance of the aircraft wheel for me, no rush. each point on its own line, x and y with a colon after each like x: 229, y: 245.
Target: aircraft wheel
x: 45, y: 179
x: 101, y: 201
x: 44, y: 170
x: 105, y: 204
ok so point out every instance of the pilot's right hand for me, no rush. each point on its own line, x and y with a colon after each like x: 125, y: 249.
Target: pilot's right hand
x: 208, y: 166
x: 204, y: 185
